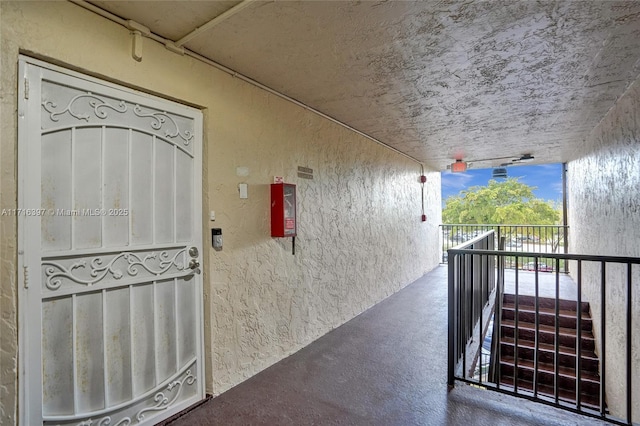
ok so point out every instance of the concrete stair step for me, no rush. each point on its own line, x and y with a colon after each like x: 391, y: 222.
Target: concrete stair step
x: 546, y: 334
x: 591, y: 401
x: 545, y: 376
x: 547, y: 316
x: 546, y: 352
x: 545, y: 302
x: 589, y: 381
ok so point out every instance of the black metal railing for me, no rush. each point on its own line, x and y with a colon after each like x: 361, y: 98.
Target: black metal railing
x: 605, y: 282
x: 494, y: 360
x: 518, y: 238
x: 471, y: 283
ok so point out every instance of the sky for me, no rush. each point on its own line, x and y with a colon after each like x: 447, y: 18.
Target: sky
x: 546, y: 178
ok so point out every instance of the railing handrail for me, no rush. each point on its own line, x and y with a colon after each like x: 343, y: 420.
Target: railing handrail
x: 473, y: 241
x: 566, y: 256
x: 476, y: 279
x: 494, y: 360
x: 530, y: 237
x: 501, y: 224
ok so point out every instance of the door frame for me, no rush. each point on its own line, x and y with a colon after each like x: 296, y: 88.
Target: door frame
x: 28, y: 259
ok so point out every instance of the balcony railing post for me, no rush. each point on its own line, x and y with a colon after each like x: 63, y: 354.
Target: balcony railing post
x: 452, y: 320
x: 579, y: 338
x: 603, y: 336
x: 629, y: 347
x: 565, y: 243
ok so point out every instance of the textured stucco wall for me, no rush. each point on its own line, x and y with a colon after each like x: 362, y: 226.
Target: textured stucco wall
x: 358, y: 238
x: 604, y: 215
x: 360, y: 235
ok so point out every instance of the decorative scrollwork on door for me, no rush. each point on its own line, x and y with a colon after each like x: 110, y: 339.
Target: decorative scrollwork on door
x: 96, y: 103
x: 94, y: 108
x: 162, y: 401
x: 159, y: 118
x: 100, y: 267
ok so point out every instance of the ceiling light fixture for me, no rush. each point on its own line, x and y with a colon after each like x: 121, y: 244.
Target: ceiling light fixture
x: 499, y: 173
x: 458, y: 167
x: 461, y: 166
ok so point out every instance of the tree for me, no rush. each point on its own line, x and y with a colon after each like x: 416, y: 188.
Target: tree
x: 506, y: 202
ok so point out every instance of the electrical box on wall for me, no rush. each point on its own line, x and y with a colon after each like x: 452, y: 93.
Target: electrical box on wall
x: 216, y: 238
x: 283, y: 210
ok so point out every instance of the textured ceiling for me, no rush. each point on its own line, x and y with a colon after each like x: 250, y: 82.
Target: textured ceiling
x: 433, y: 79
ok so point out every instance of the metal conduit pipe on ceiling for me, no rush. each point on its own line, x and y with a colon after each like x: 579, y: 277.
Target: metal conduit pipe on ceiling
x: 174, y: 47
x: 215, y: 21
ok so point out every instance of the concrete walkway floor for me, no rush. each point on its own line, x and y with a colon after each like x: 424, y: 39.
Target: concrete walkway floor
x: 567, y: 288
x: 385, y: 367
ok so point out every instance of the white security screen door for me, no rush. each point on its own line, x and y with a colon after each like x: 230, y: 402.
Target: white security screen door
x: 110, y: 244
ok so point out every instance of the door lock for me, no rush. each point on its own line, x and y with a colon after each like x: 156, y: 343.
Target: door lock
x: 193, y: 252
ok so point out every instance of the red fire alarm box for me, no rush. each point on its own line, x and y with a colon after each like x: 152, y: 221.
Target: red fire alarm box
x: 283, y: 210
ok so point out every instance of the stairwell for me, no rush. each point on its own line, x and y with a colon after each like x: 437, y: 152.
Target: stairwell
x: 523, y: 359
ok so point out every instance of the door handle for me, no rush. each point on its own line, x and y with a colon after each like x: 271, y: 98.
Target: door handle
x: 193, y: 263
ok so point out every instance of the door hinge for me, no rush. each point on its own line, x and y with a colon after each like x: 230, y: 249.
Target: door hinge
x: 26, y: 88
x: 26, y: 276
